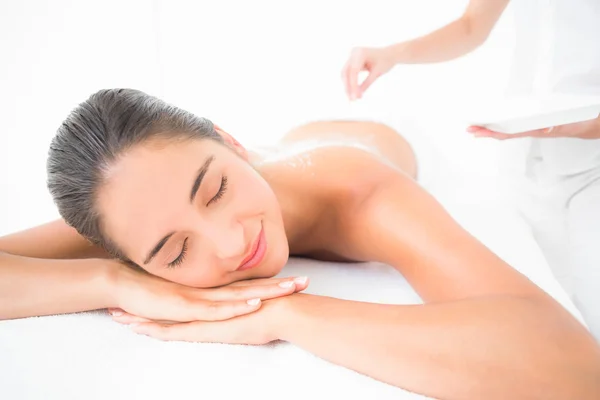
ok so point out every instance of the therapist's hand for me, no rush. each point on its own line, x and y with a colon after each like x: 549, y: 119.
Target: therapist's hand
x: 583, y: 130
x: 376, y: 61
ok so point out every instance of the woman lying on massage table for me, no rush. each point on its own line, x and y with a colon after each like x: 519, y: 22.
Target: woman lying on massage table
x: 188, y: 228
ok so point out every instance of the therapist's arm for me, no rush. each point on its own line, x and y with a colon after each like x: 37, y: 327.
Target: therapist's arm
x: 449, y: 42
x: 453, y: 40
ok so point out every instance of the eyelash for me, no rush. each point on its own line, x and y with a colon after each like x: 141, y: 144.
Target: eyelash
x: 221, y: 191
x: 177, y: 262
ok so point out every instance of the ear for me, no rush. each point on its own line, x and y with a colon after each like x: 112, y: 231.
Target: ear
x: 234, y: 144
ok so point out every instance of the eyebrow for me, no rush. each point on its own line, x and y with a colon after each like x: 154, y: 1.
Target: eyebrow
x: 157, y: 248
x: 199, y: 177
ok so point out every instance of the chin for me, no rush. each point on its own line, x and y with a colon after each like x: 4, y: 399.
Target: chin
x: 277, y: 259
x: 272, y: 268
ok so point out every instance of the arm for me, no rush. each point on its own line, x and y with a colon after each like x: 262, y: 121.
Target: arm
x: 453, y: 40
x: 59, y: 240
x: 485, y: 331
x: 449, y: 42
x: 51, y: 269
x: 35, y: 287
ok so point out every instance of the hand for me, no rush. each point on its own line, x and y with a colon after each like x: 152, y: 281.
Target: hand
x: 376, y: 61
x: 149, y: 297
x: 260, y: 327
x: 583, y: 130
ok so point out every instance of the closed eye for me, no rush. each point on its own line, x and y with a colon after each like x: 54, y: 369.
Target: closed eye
x: 177, y: 262
x: 220, y: 192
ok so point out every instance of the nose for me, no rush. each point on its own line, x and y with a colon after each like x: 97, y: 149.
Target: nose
x: 228, y: 241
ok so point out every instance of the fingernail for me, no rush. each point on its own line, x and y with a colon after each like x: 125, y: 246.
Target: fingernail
x: 286, y: 284
x: 253, y: 302
x: 136, y: 329
x: 301, y: 280
x: 117, y: 313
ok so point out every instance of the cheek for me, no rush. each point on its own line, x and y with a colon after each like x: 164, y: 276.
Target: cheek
x: 197, y: 271
x: 253, y: 190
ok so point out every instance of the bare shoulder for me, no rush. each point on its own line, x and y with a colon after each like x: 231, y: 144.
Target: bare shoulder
x: 373, y: 136
x: 332, y: 172
x: 318, y: 188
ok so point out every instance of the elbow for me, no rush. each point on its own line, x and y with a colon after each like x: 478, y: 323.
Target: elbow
x: 475, y: 32
x: 577, y: 372
x: 564, y: 361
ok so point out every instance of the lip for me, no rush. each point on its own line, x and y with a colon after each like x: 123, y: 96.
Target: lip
x: 256, y: 254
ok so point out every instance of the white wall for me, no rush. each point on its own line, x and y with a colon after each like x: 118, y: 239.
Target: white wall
x: 255, y: 67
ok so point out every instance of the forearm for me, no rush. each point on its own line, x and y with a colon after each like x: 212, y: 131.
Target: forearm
x: 487, y: 348
x: 35, y: 287
x: 53, y: 240
x: 447, y: 43
x: 595, y: 129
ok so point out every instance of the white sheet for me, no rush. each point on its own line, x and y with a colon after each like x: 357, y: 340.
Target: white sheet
x: 87, y: 356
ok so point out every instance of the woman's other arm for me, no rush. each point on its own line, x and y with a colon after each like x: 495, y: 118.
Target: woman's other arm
x: 35, y: 287
x: 485, y: 330
x: 54, y: 240
x: 51, y: 269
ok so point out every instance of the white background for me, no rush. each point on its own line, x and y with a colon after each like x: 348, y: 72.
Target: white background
x: 257, y: 68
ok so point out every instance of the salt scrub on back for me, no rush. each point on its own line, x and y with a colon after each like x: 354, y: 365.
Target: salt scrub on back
x: 299, y: 154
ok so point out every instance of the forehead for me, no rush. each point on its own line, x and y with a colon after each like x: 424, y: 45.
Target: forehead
x: 148, y: 187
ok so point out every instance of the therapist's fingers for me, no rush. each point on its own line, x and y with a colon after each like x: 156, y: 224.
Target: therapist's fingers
x: 355, y: 65
x: 352, y: 79
x: 480, y: 132
x: 373, y: 75
x: 345, y: 80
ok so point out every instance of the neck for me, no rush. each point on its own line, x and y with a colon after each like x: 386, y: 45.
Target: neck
x: 270, y: 163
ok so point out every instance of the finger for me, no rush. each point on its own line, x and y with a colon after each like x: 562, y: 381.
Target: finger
x: 259, y: 282
x: 190, y: 331
x: 352, y: 77
x: 230, y: 293
x: 126, y: 318
x: 175, y: 332
x: 345, y: 78
x: 355, y: 65
x: 367, y: 82
x: 482, y: 132
x: 474, y: 128
x: 197, y: 331
x: 494, y: 135
x: 218, y: 310
x: 300, y: 281
x: 486, y: 133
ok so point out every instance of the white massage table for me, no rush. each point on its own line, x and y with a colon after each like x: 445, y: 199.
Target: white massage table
x: 88, y: 356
